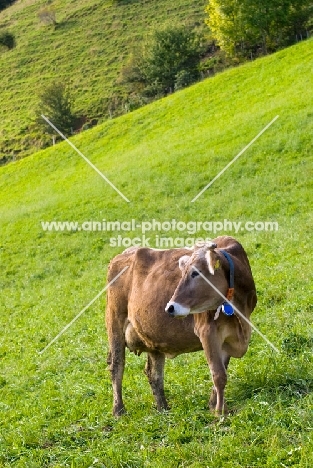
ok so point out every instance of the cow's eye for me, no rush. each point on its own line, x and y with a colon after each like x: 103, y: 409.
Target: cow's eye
x: 194, y: 274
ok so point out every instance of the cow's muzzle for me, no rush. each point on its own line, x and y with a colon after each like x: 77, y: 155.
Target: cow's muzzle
x: 176, y: 310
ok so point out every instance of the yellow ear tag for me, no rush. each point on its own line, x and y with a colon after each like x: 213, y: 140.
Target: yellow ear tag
x: 217, y: 265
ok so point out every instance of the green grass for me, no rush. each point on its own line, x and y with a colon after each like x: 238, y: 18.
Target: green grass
x: 56, y: 407
x: 86, y: 50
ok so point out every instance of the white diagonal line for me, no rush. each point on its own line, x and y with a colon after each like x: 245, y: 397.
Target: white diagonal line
x: 235, y: 158
x: 238, y: 311
x: 82, y: 311
x: 84, y: 157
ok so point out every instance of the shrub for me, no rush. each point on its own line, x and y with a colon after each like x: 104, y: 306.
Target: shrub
x: 183, y: 79
x: 171, y: 52
x: 47, y: 16
x: 55, y: 103
x: 7, y: 40
x: 120, y: 103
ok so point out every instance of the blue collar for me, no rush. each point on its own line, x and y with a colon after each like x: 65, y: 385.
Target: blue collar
x: 231, y: 290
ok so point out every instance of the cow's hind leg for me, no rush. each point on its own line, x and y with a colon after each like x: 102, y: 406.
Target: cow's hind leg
x: 115, y: 319
x: 155, y: 373
x: 116, y: 363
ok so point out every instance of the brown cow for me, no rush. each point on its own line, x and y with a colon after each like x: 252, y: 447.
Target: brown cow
x: 135, y: 316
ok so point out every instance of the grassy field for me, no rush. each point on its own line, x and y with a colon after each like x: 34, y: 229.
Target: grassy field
x: 86, y: 50
x: 56, y: 406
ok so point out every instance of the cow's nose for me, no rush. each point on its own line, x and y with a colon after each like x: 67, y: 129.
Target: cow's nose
x: 170, y: 309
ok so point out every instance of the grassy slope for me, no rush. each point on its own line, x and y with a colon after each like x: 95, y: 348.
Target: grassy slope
x: 86, y: 51
x: 56, y: 408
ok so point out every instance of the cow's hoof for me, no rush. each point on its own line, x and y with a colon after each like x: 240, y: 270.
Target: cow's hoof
x: 220, y: 412
x: 217, y: 411
x: 119, y: 411
x: 163, y: 408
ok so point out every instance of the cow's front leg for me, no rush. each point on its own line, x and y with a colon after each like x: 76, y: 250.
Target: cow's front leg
x: 219, y: 377
x: 155, y: 372
x: 213, y: 397
x: 208, y: 334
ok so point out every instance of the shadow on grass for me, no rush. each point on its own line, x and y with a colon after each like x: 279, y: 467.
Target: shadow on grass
x: 287, y: 386
x: 283, y: 377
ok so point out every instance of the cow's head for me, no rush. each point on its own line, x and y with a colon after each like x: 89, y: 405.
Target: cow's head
x: 194, y: 294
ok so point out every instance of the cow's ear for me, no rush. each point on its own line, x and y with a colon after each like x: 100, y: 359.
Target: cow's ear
x: 205, y: 246
x: 211, y: 246
x: 212, y: 260
x: 183, y: 262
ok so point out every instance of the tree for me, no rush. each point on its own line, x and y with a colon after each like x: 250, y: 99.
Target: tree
x: 301, y: 16
x: 241, y: 26
x: 225, y: 20
x: 55, y: 103
x: 266, y: 22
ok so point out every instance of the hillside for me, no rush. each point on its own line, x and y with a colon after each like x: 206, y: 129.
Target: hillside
x: 86, y: 51
x: 56, y: 407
